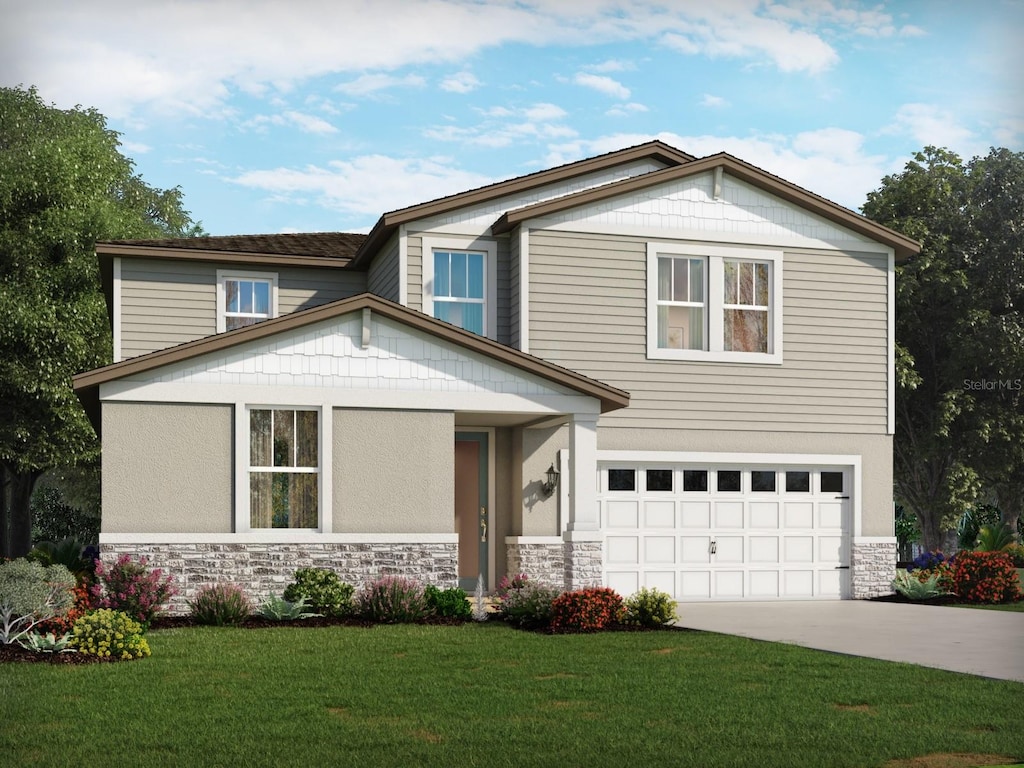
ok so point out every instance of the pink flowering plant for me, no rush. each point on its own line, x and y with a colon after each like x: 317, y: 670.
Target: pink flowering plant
x: 132, y: 588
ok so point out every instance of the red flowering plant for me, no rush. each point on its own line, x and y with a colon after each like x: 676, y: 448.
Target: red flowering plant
x: 84, y: 602
x: 985, y: 577
x: 132, y: 588
x: 586, y: 610
x: 929, y: 564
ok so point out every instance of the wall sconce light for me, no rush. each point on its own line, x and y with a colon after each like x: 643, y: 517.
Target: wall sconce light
x: 549, y: 485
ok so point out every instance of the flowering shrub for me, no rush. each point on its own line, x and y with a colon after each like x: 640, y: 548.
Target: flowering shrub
x: 586, y: 610
x: 392, y: 600
x: 448, y: 603
x: 130, y: 587
x: 985, y: 577
x: 929, y: 564
x: 528, y: 605
x: 83, y: 603
x: 650, y: 608
x: 506, y: 584
x: 1016, y: 553
x: 110, y: 635
x: 323, y: 589
x: 220, y: 605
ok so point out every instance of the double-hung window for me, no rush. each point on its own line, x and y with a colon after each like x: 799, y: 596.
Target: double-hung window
x: 460, y: 282
x: 284, y: 468
x: 245, y: 299
x: 714, y: 303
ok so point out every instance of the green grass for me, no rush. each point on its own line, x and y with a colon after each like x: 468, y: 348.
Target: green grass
x: 1017, y: 607
x: 487, y: 695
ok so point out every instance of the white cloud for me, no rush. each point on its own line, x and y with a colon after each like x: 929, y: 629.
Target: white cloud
x: 713, y: 101
x: 611, y: 65
x: 909, y: 30
x: 365, y: 186
x: 602, y: 84
x: 504, y: 126
x: 309, y: 123
x: 365, y: 85
x: 544, y: 112
x: 460, y: 82
x: 135, y: 147
x: 931, y: 125
x: 622, y: 110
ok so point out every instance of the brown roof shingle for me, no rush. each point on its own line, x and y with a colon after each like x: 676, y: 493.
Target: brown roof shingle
x: 339, y: 245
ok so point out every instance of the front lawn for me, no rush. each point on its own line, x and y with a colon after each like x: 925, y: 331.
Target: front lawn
x: 488, y: 695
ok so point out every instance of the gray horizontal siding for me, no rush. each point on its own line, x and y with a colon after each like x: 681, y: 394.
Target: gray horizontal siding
x: 165, y: 303
x: 383, y: 275
x: 588, y: 313
x: 514, y: 337
x: 414, y: 257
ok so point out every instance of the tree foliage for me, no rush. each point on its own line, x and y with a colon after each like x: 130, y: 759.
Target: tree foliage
x: 960, y: 334
x: 64, y: 184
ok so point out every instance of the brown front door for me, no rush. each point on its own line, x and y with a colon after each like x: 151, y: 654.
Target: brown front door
x: 471, y: 519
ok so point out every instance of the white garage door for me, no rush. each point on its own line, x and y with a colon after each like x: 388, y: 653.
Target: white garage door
x: 720, y: 532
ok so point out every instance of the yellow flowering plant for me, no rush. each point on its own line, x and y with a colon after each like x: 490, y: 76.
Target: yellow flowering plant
x: 110, y: 634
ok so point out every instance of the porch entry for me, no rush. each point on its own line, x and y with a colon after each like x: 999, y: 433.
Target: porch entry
x: 471, y: 519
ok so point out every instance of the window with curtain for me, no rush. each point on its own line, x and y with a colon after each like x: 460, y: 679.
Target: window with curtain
x: 284, y: 468
x: 459, y: 280
x: 681, y: 307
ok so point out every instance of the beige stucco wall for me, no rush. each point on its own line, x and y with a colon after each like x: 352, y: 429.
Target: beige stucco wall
x: 394, y: 471
x: 167, y: 468
x: 540, y: 446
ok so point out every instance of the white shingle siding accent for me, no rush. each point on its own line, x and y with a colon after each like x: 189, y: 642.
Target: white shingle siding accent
x: 329, y: 355
x: 689, y: 204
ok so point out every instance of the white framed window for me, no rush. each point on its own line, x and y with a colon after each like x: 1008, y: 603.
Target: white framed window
x: 284, y: 468
x: 714, y: 303
x: 460, y: 282
x: 245, y: 298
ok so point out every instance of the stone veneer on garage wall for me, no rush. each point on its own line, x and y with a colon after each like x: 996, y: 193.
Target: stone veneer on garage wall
x: 873, y: 567
x: 266, y: 569
x: 543, y: 562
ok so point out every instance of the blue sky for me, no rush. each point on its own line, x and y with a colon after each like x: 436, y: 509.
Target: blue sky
x: 318, y: 115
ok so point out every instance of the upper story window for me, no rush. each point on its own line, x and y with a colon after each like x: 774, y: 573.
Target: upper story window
x: 245, y: 298
x: 284, y: 468
x: 460, y: 282
x: 714, y: 303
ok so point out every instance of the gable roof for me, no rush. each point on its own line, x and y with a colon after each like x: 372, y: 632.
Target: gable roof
x: 389, y: 222
x: 87, y: 384
x: 903, y: 246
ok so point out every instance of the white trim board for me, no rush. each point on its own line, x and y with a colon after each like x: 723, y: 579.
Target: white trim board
x: 278, y: 536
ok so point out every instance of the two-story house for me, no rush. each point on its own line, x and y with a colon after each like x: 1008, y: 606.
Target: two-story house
x: 639, y: 369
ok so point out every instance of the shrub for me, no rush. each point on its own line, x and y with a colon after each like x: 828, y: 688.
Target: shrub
x: 31, y: 593
x: 447, y: 603
x: 586, y: 610
x: 69, y: 552
x: 323, y: 590
x: 650, y: 608
x: 83, y: 603
x: 392, y: 600
x: 529, y: 606
x: 1016, y: 553
x: 48, y: 643
x: 278, y: 609
x: 132, y: 588
x: 994, y: 538
x: 220, y: 605
x: 985, y: 577
x: 110, y: 634
x: 506, y: 584
x: 929, y: 564
x: 913, y: 588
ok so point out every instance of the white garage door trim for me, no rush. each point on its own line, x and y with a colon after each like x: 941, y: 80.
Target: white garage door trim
x: 730, y: 546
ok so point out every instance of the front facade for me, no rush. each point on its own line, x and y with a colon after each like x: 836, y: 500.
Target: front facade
x: 702, y: 351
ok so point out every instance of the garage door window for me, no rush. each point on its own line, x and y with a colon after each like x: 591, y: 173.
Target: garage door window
x: 762, y: 481
x: 659, y: 479
x: 729, y: 480
x: 621, y: 480
x: 832, y: 482
x: 798, y: 482
x: 695, y: 480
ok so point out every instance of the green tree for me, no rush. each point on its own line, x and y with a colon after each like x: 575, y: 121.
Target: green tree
x: 64, y: 184
x: 960, y: 350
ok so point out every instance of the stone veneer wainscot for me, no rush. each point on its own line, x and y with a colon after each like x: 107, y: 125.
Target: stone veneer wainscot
x: 873, y: 565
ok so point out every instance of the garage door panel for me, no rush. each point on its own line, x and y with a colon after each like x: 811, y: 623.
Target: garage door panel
x: 728, y: 584
x: 624, y: 582
x: 623, y: 514
x: 694, y: 584
x: 623, y: 549
x: 663, y: 580
x: 830, y: 549
x: 764, y: 583
x: 830, y: 515
x: 660, y: 514
x: 696, y: 514
x: 764, y: 549
x: 764, y: 514
x: 798, y: 515
x: 659, y: 549
x: 798, y: 583
x: 728, y: 514
x: 694, y: 549
x: 830, y: 583
x: 728, y: 549
x: 798, y: 549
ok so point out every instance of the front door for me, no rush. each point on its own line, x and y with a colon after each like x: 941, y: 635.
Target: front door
x: 471, y: 519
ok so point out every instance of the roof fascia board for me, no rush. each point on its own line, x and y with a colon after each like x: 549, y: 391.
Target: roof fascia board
x: 903, y: 246
x: 655, y: 149
x: 611, y: 398
x: 231, y: 257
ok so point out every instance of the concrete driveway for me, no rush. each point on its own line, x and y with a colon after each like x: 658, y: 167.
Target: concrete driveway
x: 977, y: 642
